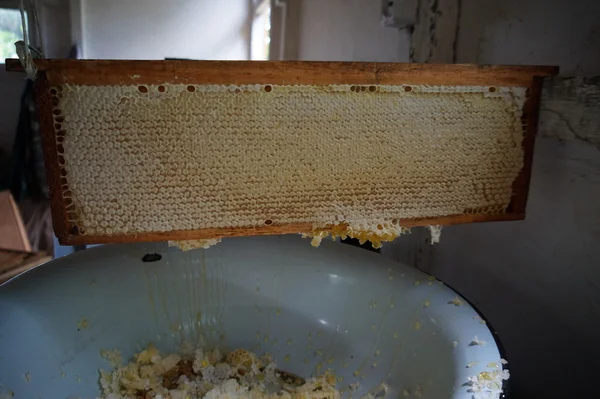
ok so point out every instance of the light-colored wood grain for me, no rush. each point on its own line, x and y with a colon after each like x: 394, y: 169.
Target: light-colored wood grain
x: 12, y: 231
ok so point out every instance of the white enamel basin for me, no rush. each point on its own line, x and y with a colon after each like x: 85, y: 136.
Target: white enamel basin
x: 336, y: 306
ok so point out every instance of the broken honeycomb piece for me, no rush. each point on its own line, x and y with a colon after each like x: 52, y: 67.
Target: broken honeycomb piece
x: 242, y: 358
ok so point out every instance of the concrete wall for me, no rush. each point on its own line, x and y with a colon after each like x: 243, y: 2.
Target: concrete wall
x: 55, y: 27
x: 348, y: 30
x: 538, y: 281
x: 155, y: 29
x: 557, y: 32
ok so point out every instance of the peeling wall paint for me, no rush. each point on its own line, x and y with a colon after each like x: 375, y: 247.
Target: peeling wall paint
x: 436, y: 31
x: 570, y: 109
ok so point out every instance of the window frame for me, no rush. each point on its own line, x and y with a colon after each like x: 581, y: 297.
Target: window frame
x: 31, y: 26
x: 285, y: 16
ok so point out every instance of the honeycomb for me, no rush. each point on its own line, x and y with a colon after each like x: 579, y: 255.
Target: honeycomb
x: 242, y: 358
x: 162, y: 158
x: 187, y: 245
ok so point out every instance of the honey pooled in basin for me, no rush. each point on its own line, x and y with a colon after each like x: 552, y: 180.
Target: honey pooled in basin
x: 208, y: 374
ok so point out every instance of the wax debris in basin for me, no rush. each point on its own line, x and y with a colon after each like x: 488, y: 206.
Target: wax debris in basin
x: 208, y: 374
x: 487, y: 384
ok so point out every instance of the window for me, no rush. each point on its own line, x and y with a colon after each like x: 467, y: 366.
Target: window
x: 10, y: 32
x: 261, y: 31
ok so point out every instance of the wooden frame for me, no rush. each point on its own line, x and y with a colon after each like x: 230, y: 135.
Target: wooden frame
x: 117, y: 72
x: 93, y: 72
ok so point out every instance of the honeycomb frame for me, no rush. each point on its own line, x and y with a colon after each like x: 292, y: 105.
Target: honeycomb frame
x: 67, y: 88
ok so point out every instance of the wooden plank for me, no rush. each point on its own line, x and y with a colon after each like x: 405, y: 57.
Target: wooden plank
x: 115, y: 72
x: 12, y: 231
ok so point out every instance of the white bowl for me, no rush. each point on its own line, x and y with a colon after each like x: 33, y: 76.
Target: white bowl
x: 336, y: 306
